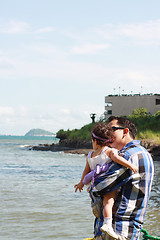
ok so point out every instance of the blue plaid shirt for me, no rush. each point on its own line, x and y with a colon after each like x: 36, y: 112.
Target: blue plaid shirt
x: 133, y: 191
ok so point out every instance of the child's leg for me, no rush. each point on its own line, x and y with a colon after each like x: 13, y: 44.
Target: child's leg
x: 108, y: 202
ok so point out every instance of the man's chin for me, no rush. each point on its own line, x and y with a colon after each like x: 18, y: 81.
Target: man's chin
x: 114, y: 145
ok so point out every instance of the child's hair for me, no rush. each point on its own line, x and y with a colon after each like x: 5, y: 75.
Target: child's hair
x: 103, y: 134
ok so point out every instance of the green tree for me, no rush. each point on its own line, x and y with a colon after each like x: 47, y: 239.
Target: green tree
x: 157, y: 115
x: 61, y: 134
x: 139, y: 112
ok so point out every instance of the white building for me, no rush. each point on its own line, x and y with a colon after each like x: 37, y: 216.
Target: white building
x: 123, y: 105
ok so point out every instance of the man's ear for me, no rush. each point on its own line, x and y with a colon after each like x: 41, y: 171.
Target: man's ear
x: 126, y: 130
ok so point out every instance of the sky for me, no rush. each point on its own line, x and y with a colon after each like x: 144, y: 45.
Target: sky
x: 60, y: 58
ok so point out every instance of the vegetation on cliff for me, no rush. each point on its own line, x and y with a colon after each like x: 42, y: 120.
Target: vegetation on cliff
x: 148, y: 127
x: 82, y: 134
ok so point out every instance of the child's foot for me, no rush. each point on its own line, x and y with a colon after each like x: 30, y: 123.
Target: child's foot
x: 109, y: 230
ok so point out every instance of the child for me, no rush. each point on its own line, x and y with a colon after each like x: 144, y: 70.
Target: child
x: 102, y: 136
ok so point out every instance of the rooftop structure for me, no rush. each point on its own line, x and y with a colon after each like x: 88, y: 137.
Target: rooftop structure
x: 123, y: 105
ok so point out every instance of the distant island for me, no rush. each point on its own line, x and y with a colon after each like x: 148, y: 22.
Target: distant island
x: 39, y: 132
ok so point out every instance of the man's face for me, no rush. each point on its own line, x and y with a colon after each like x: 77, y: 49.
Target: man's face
x: 118, y: 134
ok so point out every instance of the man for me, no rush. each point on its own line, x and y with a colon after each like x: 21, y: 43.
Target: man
x: 132, y: 189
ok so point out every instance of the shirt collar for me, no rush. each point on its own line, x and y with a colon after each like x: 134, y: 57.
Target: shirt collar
x: 134, y: 142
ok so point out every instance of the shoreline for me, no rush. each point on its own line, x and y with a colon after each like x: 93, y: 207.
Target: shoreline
x: 86, y: 151
x: 84, y: 147
x: 79, y: 151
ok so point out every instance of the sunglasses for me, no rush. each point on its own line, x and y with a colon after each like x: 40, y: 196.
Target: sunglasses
x: 116, y: 128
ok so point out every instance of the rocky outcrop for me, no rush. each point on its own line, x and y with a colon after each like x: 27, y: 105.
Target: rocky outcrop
x: 75, y: 144
x: 155, y: 152
x: 83, y: 147
x: 64, y: 145
x: 153, y: 149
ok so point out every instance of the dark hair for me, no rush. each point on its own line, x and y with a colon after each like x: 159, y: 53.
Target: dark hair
x: 103, y: 134
x: 126, y: 123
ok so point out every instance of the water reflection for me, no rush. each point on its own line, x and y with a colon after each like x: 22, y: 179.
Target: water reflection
x: 152, y: 218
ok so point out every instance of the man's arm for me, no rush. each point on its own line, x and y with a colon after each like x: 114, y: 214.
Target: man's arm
x: 113, y: 154
x: 111, y: 180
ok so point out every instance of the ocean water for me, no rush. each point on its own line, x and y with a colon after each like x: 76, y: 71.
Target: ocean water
x: 37, y: 194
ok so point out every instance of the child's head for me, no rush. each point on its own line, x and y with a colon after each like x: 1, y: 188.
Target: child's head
x: 103, y: 134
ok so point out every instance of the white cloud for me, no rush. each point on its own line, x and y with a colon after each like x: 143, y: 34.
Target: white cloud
x: 45, y: 61
x: 46, y: 50
x: 6, y: 111
x: 17, y: 27
x: 6, y: 64
x: 23, y: 111
x: 14, y: 27
x: 45, y: 30
x: 49, y: 117
x: 140, y: 33
x: 65, y: 111
x: 147, y: 30
x: 89, y: 48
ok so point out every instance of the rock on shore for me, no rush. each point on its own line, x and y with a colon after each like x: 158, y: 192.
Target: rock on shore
x: 84, y: 147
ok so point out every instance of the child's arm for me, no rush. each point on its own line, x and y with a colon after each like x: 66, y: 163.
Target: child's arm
x: 113, y: 154
x: 80, y: 184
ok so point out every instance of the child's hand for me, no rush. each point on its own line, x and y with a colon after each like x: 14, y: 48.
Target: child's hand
x: 79, y: 186
x: 134, y: 168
